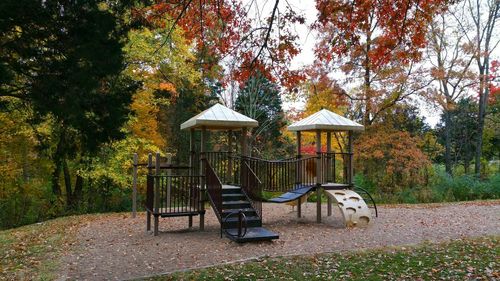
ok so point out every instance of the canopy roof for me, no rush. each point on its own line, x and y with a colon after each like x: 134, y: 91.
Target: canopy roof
x: 325, y: 120
x: 219, y: 117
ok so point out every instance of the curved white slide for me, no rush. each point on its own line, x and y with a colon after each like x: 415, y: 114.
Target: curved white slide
x: 352, y: 207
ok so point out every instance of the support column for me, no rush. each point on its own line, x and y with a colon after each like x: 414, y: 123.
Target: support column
x: 351, y: 158
x: 203, y: 189
x: 134, y: 187
x: 298, y: 168
x: 329, y: 169
x: 150, y: 172
x: 318, y: 176
x: 230, y: 154
x: 191, y: 152
x: 157, y: 198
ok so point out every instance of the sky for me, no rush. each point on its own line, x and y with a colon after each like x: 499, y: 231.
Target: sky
x: 307, y: 41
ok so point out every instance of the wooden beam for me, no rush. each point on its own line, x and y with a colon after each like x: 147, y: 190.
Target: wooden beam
x: 318, y: 176
x: 328, y: 172
x: 351, y: 158
x: 230, y: 159
x: 203, y: 189
x: 134, y: 187
x: 299, y: 164
x: 156, y: 201
x: 150, y: 172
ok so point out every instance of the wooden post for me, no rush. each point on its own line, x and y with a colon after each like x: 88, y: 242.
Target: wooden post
x: 329, y: 157
x: 192, y: 155
x: 351, y: 158
x: 134, y: 187
x: 150, y: 172
x: 191, y: 152
x: 318, y: 176
x: 230, y: 159
x: 157, y: 198
x: 298, y: 168
x: 202, y: 173
x: 328, y: 169
x: 169, y: 183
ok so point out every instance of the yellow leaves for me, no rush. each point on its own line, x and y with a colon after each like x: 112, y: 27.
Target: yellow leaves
x: 145, y: 124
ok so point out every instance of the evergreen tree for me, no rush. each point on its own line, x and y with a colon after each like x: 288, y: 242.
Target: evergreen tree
x: 260, y: 99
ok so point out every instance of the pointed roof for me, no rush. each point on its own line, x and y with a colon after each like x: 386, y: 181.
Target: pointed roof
x: 325, y: 120
x: 219, y: 117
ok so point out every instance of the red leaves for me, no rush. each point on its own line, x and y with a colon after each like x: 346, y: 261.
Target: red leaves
x: 385, y: 29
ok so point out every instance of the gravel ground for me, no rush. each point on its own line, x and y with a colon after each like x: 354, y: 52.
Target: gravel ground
x: 118, y: 247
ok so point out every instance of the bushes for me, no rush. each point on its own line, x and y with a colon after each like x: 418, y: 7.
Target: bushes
x: 441, y: 188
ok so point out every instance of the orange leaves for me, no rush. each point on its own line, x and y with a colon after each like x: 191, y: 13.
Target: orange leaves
x: 390, y: 158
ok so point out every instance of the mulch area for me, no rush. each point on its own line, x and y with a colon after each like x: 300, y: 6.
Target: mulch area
x: 117, y: 247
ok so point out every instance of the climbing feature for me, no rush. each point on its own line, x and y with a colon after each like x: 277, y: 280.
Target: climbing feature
x: 352, y: 206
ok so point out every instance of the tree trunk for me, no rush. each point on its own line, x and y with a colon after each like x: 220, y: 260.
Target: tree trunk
x: 447, y: 142
x: 57, y: 158
x: 77, y: 195
x: 466, y: 165
x: 56, y: 187
x: 483, y: 99
x: 367, y: 84
x: 67, y: 183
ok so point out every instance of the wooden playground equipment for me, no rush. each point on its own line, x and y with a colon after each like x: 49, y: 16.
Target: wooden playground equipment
x: 234, y: 182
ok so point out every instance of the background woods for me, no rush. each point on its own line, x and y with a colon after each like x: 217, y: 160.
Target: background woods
x: 83, y: 86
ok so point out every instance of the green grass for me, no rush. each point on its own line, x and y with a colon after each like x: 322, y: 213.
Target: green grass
x: 32, y: 252
x: 456, y: 260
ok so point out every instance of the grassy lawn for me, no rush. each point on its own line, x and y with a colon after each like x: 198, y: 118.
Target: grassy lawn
x: 476, y: 259
x: 32, y: 251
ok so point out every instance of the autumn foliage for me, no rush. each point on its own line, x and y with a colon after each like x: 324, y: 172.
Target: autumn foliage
x: 390, y: 158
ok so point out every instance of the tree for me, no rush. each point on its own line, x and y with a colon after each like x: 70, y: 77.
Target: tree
x: 260, y: 99
x: 64, y: 59
x: 463, y: 131
x: 478, y: 21
x: 451, y: 67
x: 376, y: 44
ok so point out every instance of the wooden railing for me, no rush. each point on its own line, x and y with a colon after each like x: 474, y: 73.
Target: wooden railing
x: 252, y: 186
x: 214, y: 189
x: 177, y: 194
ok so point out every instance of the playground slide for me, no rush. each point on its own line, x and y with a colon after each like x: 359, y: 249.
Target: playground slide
x: 352, y: 207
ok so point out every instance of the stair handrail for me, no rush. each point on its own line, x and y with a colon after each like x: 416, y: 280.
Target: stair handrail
x: 371, y: 198
x: 254, y: 193
x: 242, y: 220
x: 214, y: 189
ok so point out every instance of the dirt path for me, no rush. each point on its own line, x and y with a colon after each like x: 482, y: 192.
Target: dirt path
x: 117, y: 247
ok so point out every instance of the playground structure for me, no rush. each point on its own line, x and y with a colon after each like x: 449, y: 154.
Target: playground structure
x: 234, y: 183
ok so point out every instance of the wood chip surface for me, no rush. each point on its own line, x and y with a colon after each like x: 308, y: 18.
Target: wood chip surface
x: 117, y: 247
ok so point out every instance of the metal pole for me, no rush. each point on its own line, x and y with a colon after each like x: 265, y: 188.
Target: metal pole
x: 134, y: 187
